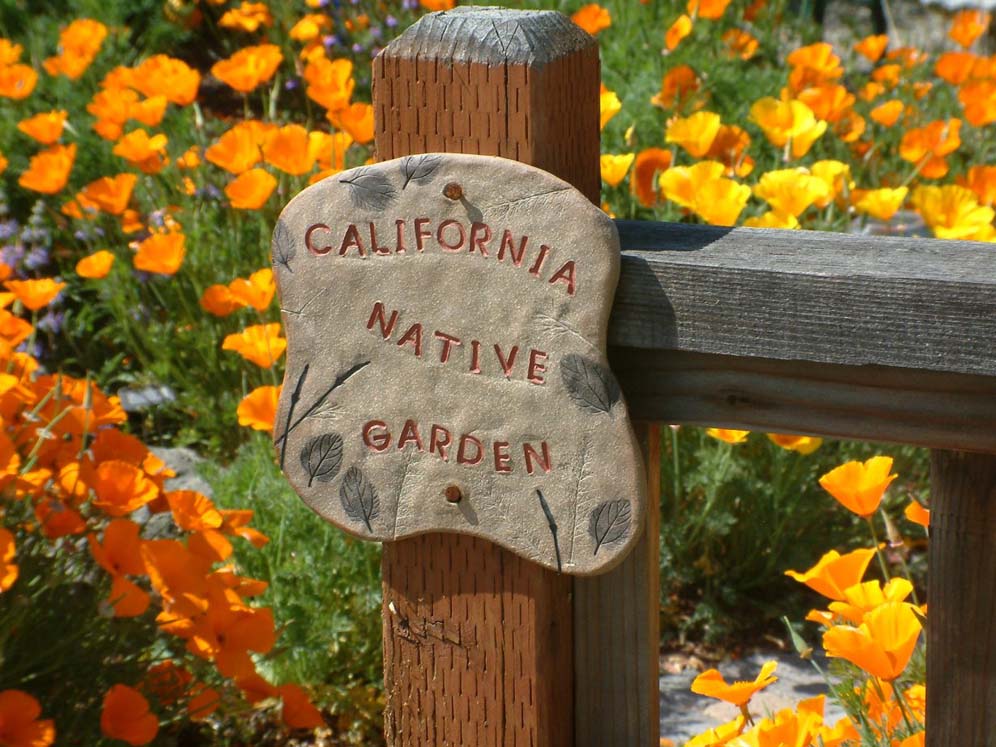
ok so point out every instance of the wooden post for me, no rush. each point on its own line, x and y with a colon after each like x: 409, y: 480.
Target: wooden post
x: 478, y: 643
x: 961, y: 621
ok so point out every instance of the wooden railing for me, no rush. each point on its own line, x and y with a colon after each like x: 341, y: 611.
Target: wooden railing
x: 876, y: 338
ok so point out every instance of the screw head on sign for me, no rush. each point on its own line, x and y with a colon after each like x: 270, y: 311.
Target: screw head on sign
x: 453, y: 494
x: 453, y: 191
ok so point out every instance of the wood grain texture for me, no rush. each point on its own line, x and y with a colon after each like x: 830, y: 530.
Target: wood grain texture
x: 874, y: 403
x: 617, y: 633
x: 961, y: 625
x: 828, y: 298
x: 523, y: 86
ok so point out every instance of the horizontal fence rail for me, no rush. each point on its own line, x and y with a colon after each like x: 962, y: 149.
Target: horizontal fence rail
x: 877, y: 338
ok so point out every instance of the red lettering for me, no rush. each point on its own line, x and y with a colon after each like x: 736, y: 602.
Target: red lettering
x: 503, y: 460
x: 530, y: 454
x: 448, y: 342
x: 536, y: 367
x: 478, y: 243
x: 420, y: 234
x: 377, y: 316
x: 350, y: 240
x: 439, y: 439
x: 318, y: 251
x: 508, y: 245
x: 538, y: 264
x: 399, y: 226
x: 507, y: 364
x: 410, y: 434
x: 462, y: 457
x: 475, y: 356
x: 374, y: 247
x: 376, y: 441
x: 414, y: 336
x: 440, y: 234
x: 565, y: 275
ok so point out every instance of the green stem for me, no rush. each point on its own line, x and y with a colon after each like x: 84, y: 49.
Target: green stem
x: 878, y: 550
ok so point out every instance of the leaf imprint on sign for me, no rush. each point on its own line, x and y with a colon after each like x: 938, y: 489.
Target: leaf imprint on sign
x: 370, y: 190
x: 359, y: 497
x: 282, y: 246
x: 609, y: 522
x: 321, y: 457
x: 419, y: 169
x: 590, y: 384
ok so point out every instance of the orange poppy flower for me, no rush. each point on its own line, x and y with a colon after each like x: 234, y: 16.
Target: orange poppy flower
x: 112, y: 108
x: 936, y: 140
x: 702, y: 189
x: 784, y: 119
x: 861, y: 599
x: 908, y: 56
x: 149, y: 112
x: 121, y: 488
x: 251, y: 190
x: 17, y: 81
x: 728, y: 435
x: 730, y: 147
x: 258, y: 409
x: 887, y: 75
x: 203, y: 703
x: 712, y: 10
x: 592, y: 18
x: 791, y: 191
x: 955, y: 67
x: 57, y: 519
x: 8, y: 569
x: 126, y: 716
x: 193, y: 511
x: 146, y: 153
x: 979, y: 99
x: 249, y: 67
x: 711, y: 684
x: 435, y: 5
x: 254, y: 688
x: 678, y: 30
x: 111, y: 193
x: 309, y: 27
x: 882, y: 645
x: 649, y: 163
x: 190, y: 159
x: 740, y: 44
x: 887, y: 113
x: 880, y: 203
x: 9, y: 52
x: 79, y: 44
x: 256, y: 291
x: 49, y: 170
x: 330, y: 82
x: 859, y: 486
x: 615, y: 167
x: 240, y: 148
x: 982, y: 181
x: 260, y: 344
x: 247, y: 17
x: 218, y: 300
x: 872, y: 47
x: 677, y: 87
x: 773, y: 219
x: 968, y: 25
x: 120, y: 552
x: 46, y: 127
x: 812, y: 65
x: 917, y: 514
x: 951, y: 211
x: 167, y: 682
x: 299, y: 712
x: 126, y: 598
x: 161, y: 75
x: 609, y: 106
x: 19, y: 722
x: 801, y: 444
x: 829, y: 101
x: 287, y: 149
x: 834, y: 573
x: 694, y: 133
x: 356, y: 119
x: 161, y: 253
x: 237, y: 523
x: 35, y: 294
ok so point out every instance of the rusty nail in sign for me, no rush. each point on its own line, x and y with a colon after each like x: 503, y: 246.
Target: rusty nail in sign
x: 453, y: 191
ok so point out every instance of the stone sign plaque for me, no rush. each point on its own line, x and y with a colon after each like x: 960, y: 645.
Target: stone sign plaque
x: 446, y: 322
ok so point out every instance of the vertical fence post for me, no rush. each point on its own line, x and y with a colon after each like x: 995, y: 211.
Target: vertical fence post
x: 961, y: 622
x: 480, y: 646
